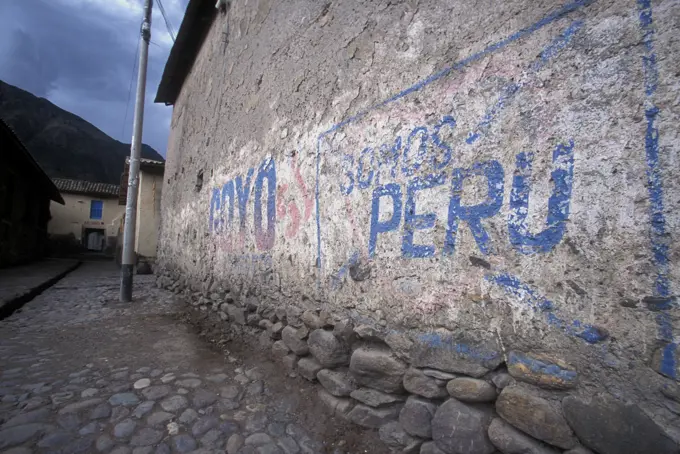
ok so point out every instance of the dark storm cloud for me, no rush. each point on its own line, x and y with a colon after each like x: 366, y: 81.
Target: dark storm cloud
x: 79, y: 54
x: 24, y: 64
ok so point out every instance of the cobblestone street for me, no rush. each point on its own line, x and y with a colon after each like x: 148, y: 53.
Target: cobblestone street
x: 81, y: 372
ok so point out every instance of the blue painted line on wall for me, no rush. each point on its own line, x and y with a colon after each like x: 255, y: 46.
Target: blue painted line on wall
x: 318, y: 217
x: 539, y: 303
x: 445, y: 342
x: 550, y: 18
x: 542, y: 367
x: 658, y: 234
x: 559, y: 43
x: 336, y: 280
x: 435, y: 340
x: 509, y: 91
x: 534, y: 300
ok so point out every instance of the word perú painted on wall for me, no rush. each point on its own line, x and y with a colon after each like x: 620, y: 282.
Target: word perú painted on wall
x: 258, y: 195
x: 425, y: 151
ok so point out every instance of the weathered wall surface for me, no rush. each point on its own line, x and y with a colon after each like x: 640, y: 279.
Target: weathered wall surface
x: 479, y: 178
x: 148, y: 213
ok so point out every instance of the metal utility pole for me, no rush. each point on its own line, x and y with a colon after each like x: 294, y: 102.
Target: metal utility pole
x: 128, y: 260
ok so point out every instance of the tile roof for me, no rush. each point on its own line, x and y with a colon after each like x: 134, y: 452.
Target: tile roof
x: 147, y: 162
x: 86, y: 187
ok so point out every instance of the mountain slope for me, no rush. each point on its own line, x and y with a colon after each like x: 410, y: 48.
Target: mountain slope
x: 64, y: 144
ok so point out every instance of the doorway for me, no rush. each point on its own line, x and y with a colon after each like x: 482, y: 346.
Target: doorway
x: 94, y: 239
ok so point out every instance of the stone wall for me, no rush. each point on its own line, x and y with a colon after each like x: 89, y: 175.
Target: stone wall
x: 470, y: 188
x: 438, y: 400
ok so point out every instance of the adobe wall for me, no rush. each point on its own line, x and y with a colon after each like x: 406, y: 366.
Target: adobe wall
x: 148, y: 214
x: 472, y: 188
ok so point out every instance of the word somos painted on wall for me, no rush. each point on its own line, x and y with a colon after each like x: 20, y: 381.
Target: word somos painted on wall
x: 398, y: 157
x: 233, y: 200
x: 425, y: 151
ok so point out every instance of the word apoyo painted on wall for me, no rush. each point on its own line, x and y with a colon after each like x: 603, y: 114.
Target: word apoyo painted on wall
x: 246, y: 209
x: 234, y: 199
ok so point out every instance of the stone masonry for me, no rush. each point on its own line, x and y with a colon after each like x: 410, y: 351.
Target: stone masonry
x: 365, y: 375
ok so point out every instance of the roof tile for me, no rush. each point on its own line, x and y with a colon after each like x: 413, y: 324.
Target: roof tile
x: 86, y: 187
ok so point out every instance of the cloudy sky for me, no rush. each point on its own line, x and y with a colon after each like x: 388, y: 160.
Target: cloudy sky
x: 79, y: 54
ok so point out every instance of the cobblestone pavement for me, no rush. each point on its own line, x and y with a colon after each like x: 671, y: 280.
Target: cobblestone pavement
x: 80, y: 372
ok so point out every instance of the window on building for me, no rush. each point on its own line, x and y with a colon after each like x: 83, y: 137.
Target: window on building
x: 96, y: 209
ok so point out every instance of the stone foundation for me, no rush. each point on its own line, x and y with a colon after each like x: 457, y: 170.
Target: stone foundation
x: 440, y: 397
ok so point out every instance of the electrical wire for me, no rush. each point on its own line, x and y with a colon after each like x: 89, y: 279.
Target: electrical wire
x: 168, y: 25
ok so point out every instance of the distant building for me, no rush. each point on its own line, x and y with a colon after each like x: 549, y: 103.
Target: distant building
x: 148, y: 206
x: 25, y: 195
x: 90, y: 216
